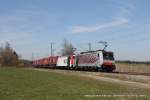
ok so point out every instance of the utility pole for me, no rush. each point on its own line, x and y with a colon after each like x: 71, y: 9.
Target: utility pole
x: 90, y: 46
x: 51, y: 49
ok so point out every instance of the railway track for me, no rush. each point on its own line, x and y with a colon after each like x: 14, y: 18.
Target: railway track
x: 123, y: 73
x: 111, y: 73
x: 133, y: 73
x: 119, y: 77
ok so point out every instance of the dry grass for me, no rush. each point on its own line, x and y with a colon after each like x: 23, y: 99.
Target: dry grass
x: 138, y: 68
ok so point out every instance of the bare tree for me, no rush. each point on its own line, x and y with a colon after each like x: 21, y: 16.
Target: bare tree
x: 8, y: 56
x: 67, y: 49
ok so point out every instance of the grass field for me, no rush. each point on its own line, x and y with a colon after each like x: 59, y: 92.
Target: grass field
x: 24, y: 84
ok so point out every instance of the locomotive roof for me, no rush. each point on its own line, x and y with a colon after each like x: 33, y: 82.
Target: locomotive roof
x: 95, y: 51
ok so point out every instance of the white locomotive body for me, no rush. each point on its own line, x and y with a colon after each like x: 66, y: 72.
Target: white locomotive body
x: 99, y: 59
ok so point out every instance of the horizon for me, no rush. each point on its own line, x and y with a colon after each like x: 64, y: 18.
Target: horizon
x: 30, y: 26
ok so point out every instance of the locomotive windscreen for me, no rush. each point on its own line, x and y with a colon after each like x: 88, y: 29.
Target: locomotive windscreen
x: 108, y: 56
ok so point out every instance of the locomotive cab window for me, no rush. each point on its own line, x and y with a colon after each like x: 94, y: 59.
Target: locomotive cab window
x: 108, y: 56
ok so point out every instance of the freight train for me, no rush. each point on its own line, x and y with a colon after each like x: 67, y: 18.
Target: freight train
x: 99, y: 60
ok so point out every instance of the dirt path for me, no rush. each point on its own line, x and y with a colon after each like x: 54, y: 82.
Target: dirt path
x: 106, y: 77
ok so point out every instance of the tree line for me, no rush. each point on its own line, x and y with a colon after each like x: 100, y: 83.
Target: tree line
x: 9, y: 57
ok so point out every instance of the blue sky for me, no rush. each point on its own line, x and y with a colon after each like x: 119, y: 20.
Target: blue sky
x: 31, y: 25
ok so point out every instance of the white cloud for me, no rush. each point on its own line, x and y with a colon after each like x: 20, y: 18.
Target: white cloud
x: 80, y: 29
x: 121, y: 17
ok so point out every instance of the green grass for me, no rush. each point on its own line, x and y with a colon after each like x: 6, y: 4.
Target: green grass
x: 24, y: 84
